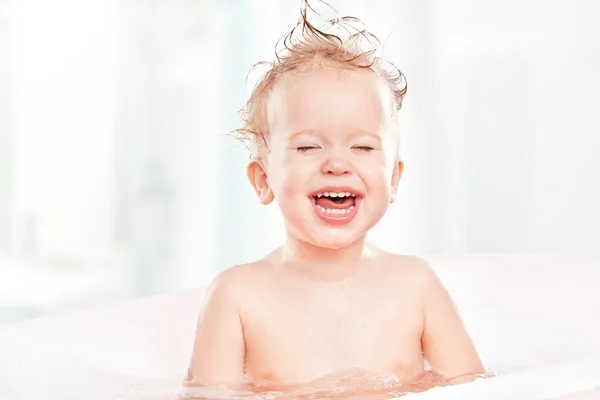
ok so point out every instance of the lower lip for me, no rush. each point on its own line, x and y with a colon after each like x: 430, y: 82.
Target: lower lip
x: 337, y: 219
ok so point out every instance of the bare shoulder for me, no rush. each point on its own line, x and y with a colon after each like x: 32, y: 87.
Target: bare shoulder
x: 237, y: 280
x: 414, y: 274
x: 408, y: 267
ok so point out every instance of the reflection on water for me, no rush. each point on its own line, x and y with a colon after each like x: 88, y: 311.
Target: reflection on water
x: 347, y: 384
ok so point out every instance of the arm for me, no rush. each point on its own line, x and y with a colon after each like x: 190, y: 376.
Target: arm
x: 446, y: 344
x: 219, y: 348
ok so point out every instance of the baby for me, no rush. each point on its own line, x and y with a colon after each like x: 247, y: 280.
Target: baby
x: 323, y: 129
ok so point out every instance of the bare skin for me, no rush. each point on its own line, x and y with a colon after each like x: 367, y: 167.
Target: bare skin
x: 270, y: 322
x: 326, y: 301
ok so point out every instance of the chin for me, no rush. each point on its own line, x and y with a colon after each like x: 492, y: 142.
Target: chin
x: 337, y: 235
x: 330, y: 241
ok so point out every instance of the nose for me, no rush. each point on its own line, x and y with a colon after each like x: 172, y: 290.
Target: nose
x: 336, y: 165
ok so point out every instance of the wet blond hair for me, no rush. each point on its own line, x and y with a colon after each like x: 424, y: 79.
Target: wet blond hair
x: 304, y: 48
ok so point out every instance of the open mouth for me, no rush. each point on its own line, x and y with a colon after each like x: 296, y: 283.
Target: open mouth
x: 335, y: 203
x: 336, y: 206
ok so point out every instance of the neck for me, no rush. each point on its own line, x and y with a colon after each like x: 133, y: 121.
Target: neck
x: 324, y: 264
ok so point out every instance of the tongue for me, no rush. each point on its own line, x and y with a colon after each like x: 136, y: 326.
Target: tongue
x: 326, y: 202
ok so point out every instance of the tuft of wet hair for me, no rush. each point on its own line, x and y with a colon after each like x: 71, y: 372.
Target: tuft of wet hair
x: 347, y: 45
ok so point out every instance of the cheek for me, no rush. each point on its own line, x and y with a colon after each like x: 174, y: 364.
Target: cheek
x: 287, y: 181
x: 294, y: 181
x: 378, y: 180
x: 379, y: 168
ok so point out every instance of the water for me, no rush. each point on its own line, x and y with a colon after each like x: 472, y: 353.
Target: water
x: 61, y: 374
x: 347, y: 384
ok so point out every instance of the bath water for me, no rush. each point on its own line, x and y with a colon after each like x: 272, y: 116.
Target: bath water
x: 347, y: 384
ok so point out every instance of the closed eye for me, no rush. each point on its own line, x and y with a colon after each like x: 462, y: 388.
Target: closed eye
x: 363, y: 148
x: 304, y: 149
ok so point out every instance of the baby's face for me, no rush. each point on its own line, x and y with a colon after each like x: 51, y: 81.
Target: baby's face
x: 332, y: 165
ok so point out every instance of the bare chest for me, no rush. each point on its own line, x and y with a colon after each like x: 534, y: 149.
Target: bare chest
x: 295, y: 335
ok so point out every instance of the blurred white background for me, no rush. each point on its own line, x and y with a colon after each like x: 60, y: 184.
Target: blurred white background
x: 118, y: 179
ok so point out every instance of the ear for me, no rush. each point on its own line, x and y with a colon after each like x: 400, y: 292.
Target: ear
x: 259, y: 180
x: 396, y: 175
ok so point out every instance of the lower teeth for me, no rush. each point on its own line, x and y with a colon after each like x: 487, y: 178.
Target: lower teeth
x: 336, y: 211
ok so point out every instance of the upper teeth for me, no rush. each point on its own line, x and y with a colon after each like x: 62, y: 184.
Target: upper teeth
x: 333, y: 194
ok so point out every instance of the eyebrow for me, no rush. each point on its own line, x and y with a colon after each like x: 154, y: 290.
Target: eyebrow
x: 302, y: 132
x: 356, y: 132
